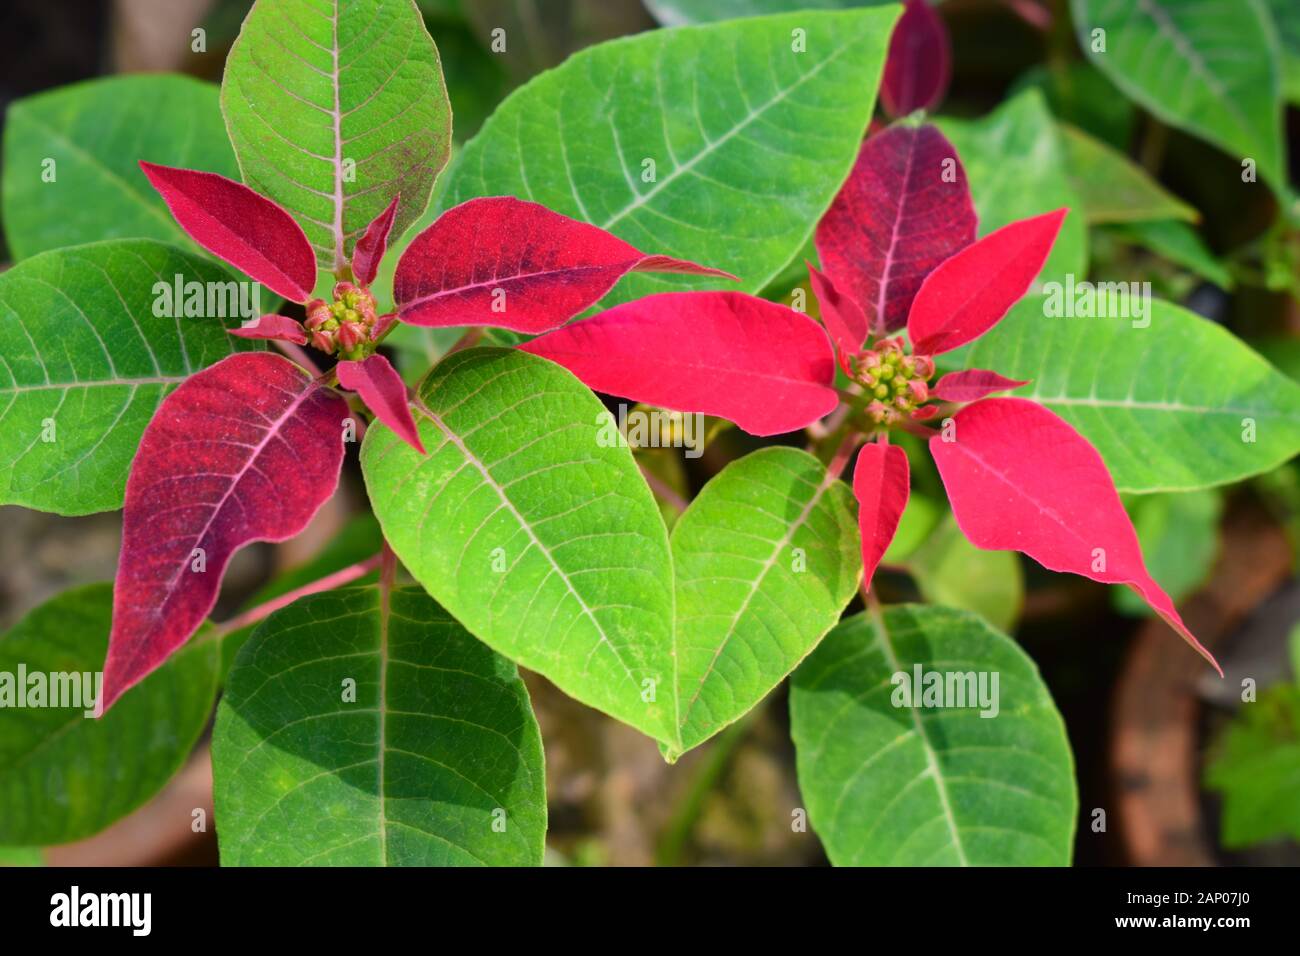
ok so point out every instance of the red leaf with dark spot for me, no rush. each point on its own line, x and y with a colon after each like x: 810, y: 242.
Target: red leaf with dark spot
x: 384, y: 393
x: 279, y: 327
x: 246, y: 450
x: 905, y: 208
x: 1019, y: 478
x: 515, y: 265
x: 843, y: 317
x: 246, y: 229
x: 880, y: 483
x: 972, y: 291
x: 919, y: 64
x: 761, y: 365
x: 370, y: 248
x: 971, y: 385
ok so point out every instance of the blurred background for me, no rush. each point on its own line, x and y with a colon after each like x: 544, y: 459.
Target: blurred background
x: 1160, y: 744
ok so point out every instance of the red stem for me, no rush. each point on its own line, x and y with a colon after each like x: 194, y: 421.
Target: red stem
x: 327, y: 583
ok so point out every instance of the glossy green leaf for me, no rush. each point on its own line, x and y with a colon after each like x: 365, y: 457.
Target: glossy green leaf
x: 1112, y: 187
x: 1176, y: 405
x: 366, y: 728
x: 1255, y: 766
x: 890, y: 779
x: 538, y: 535
x: 1015, y: 162
x: 84, y: 362
x: 63, y: 775
x: 21, y: 856
x: 333, y: 109
x: 1205, y: 66
x: 766, y: 558
x: 674, y: 13
x: 721, y: 144
x: 951, y: 571
x: 1180, y: 244
x: 1179, y: 535
x: 94, y: 134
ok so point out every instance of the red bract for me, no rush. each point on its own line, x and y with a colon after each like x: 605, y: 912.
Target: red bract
x: 1021, y: 478
x: 516, y: 265
x: 919, y: 64
x: 246, y: 450
x: 971, y: 385
x: 880, y: 483
x: 970, y: 293
x: 762, y: 365
x: 249, y: 231
x: 372, y: 245
x: 279, y: 327
x: 384, y: 393
x: 905, y: 208
x: 841, y: 314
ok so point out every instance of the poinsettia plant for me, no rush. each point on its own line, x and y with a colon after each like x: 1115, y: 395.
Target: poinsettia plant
x: 629, y: 234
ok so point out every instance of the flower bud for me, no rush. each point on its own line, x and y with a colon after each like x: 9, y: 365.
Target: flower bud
x: 879, y: 412
x: 920, y: 392
x: 924, y: 366
x: 351, y: 334
x: 318, y: 313
x: 323, y: 340
x: 344, y: 288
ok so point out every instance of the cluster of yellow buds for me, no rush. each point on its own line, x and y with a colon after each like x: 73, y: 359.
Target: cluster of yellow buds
x: 894, y: 384
x: 346, y: 324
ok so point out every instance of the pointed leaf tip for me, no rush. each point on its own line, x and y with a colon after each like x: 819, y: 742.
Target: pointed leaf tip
x: 503, y: 262
x: 246, y: 229
x: 919, y: 65
x: 246, y: 450
x: 881, y: 484
x: 384, y: 393
x: 1021, y: 479
x: 970, y: 293
x: 370, y: 248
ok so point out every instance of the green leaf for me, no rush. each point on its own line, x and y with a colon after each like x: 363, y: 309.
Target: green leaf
x: 1170, y: 406
x: 21, y: 856
x: 949, y: 570
x: 1015, y: 162
x: 674, y: 13
x: 1283, y: 353
x: 749, y: 139
x: 767, y: 557
x: 84, y: 362
x: 896, y: 784
x: 335, y: 109
x: 433, y: 759
x: 1179, y: 535
x: 1207, y: 67
x: 1255, y: 765
x: 542, y: 539
x: 1112, y: 187
x: 1180, y: 244
x: 96, y: 133
x: 1286, y: 20
x: 63, y: 775
x: 1081, y: 95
